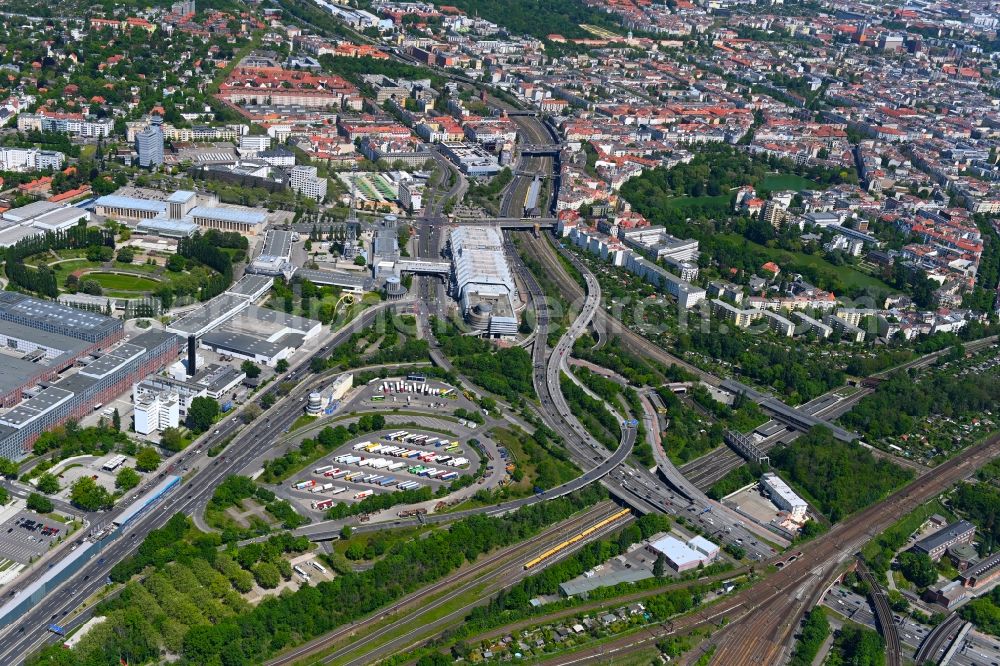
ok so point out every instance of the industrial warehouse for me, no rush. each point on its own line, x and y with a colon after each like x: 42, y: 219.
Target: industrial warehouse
x: 232, y: 325
x: 484, y: 284
x: 41, y: 339
x: 102, y: 377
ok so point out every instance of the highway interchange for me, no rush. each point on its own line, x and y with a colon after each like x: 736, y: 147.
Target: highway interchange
x: 769, y: 613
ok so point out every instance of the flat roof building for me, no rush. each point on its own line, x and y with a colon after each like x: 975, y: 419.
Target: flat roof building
x: 55, y: 318
x: 29, y: 356
x: 174, y: 215
x: 483, y: 280
x: 251, y: 286
x: 275, y: 256
x: 212, y: 314
x: 76, y: 394
x: 261, y: 335
x: 783, y: 496
x: 246, y: 221
x: 684, y: 557
x: 354, y: 282
x: 936, y: 544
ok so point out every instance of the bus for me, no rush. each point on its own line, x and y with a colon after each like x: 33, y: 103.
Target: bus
x: 416, y: 378
x: 378, y: 398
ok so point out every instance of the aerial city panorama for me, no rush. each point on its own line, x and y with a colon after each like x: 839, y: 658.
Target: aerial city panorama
x: 556, y: 332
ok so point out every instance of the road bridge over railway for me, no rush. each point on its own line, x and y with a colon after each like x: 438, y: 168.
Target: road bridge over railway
x: 790, y: 416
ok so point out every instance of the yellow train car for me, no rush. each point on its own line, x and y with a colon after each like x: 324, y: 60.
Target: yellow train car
x: 558, y: 548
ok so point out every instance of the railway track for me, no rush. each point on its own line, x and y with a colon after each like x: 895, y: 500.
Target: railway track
x: 883, y: 616
x: 512, y: 202
x: 544, y: 252
x: 503, y: 578
x: 757, y: 622
x: 473, y: 573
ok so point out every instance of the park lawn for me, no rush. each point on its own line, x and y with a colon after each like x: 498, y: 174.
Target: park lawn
x: 122, y: 282
x: 72, y: 265
x: 849, y: 275
x: 787, y: 181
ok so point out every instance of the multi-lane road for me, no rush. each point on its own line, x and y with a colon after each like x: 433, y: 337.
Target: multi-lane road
x: 19, y: 639
x: 760, y: 620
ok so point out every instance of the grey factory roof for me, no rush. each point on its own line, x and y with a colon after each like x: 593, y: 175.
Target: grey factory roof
x: 52, y: 316
x: 583, y: 585
x: 243, y: 343
x: 33, y: 407
x: 11, y: 235
x: 31, y: 211
x: 120, y: 201
x: 259, y: 319
x: 16, y: 371
x: 277, y: 243
x: 65, y: 343
x: 248, y: 216
x: 55, y: 219
x: 218, y: 309
x: 215, y: 378
x: 250, y: 285
x: 335, y: 278
x: 114, y: 359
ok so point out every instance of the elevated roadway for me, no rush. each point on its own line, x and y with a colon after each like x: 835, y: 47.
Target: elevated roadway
x: 19, y: 639
x: 938, y: 641
x: 753, y: 626
x: 796, y: 418
x: 637, y: 487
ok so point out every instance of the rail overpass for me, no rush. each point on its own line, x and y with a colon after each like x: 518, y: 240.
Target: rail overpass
x: 790, y: 416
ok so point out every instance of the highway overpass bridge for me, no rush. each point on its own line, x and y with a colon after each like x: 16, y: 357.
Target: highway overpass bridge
x: 790, y: 416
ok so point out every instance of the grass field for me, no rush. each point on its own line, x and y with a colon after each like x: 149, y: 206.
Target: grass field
x: 71, y: 265
x: 121, y: 282
x: 778, y: 181
x: 849, y: 275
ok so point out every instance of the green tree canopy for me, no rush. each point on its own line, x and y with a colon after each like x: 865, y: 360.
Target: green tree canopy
x: 88, y: 495
x: 202, y: 414
x: 127, y: 479
x: 147, y: 459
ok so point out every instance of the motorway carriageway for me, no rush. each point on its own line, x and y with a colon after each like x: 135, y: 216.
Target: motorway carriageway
x: 503, y: 567
x: 640, y: 489
x: 761, y: 619
x: 27, y: 634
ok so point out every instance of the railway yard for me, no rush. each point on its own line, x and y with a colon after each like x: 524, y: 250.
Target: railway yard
x: 419, y: 447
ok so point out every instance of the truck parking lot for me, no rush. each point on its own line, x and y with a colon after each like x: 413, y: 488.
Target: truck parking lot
x: 386, y: 461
